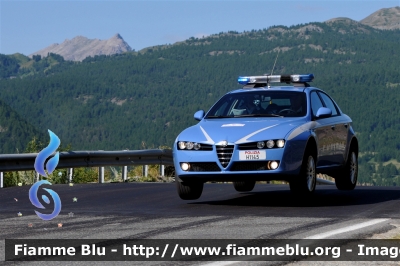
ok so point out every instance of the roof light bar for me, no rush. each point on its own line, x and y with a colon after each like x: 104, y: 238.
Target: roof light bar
x: 276, y: 79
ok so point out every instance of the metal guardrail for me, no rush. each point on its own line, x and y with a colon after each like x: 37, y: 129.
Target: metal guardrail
x: 74, y: 159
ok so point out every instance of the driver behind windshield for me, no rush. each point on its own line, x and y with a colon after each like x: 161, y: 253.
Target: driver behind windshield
x: 252, y: 104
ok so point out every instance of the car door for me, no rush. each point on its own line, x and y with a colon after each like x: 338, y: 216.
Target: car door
x: 340, y: 129
x: 324, y: 133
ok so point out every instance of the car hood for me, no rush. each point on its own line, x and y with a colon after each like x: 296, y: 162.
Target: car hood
x: 240, y: 130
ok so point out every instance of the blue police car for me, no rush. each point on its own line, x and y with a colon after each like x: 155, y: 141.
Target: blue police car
x: 262, y: 133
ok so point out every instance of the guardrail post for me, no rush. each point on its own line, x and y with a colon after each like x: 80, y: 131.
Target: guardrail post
x: 1, y: 179
x: 124, y: 172
x: 145, y: 170
x: 101, y: 174
x: 162, y: 170
x: 70, y: 174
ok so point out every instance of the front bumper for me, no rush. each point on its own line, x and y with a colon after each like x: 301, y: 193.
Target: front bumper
x: 210, y: 166
x: 231, y: 177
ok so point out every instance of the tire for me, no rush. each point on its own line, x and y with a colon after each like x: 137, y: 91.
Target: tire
x: 189, y: 191
x: 244, y: 186
x: 305, y: 182
x: 346, y: 179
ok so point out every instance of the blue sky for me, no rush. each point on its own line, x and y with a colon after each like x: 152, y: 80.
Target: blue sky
x: 28, y: 26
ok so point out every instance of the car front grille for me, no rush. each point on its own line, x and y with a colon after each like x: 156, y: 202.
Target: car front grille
x: 249, y: 166
x: 204, y: 167
x: 224, y: 154
x: 248, y: 146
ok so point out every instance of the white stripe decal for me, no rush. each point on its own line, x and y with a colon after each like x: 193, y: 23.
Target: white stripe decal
x: 245, y: 139
x: 209, y: 139
x: 232, y: 125
x: 307, y: 126
x: 346, y: 229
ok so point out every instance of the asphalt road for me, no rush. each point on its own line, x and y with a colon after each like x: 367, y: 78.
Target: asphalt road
x: 154, y: 211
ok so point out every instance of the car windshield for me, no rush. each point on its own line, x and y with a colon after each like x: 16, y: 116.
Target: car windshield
x: 260, y: 104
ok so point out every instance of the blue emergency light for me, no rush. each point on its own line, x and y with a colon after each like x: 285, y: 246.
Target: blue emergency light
x: 276, y: 79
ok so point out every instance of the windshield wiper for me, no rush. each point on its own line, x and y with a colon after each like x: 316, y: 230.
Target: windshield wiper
x: 219, y: 116
x: 246, y: 115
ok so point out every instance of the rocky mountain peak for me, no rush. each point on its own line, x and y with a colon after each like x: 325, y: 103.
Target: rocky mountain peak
x: 384, y: 19
x: 80, y: 47
x: 117, y: 36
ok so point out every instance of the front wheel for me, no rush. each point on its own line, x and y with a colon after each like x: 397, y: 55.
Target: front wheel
x: 305, y: 182
x: 346, y: 179
x: 244, y: 186
x: 189, y: 191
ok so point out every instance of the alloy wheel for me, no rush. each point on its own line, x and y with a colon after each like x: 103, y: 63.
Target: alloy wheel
x: 310, y: 173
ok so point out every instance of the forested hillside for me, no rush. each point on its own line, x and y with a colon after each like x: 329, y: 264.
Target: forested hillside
x: 142, y: 99
x: 15, y: 131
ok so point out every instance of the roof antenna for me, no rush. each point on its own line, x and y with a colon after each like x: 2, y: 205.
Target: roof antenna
x: 273, y: 67
x: 275, y: 62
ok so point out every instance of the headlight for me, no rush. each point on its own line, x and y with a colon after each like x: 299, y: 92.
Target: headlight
x: 193, y: 146
x: 270, y: 144
x: 181, y: 145
x: 280, y: 143
x: 266, y: 144
x: 189, y: 145
x: 260, y: 144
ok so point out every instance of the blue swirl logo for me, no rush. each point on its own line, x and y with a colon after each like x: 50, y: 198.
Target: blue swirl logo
x: 35, y: 201
x: 50, y: 166
x: 45, y: 153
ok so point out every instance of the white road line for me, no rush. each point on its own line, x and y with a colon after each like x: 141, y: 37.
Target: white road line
x: 318, y: 236
x: 346, y: 229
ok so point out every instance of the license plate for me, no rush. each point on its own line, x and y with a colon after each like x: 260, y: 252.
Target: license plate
x: 252, y: 155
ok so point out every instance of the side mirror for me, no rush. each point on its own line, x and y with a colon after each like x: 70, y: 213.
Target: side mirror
x: 199, y: 115
x: 323, y: 112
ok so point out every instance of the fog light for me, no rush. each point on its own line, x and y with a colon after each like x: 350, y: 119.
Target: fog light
x: 185, y: 166
x: 260, y: 144
x: 270, y: 144
x: 273, y: 165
